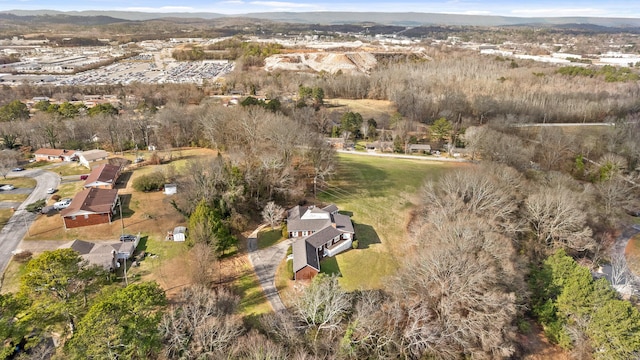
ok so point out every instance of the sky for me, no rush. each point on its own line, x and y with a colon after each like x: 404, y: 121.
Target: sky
x: 522, y: 8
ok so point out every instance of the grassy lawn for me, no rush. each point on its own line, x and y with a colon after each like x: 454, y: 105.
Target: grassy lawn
x: 379, y: 193
x: 5, y: 215
x: 253, y: 301
x: 367, y: 108
x: 20, y: 182
x: 268, y: 237
x: 71, y: 169
x: 11, y: 277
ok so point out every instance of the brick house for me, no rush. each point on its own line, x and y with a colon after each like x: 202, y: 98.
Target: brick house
x: 103, y: 177
x: 322, y: 232
x: 90, y: 207
x: 55, y: 155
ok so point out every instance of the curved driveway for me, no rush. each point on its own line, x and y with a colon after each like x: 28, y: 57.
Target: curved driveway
x: 13, y: 232
x: 265, y: 263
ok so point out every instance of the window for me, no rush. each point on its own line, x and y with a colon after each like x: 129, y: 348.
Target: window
x: 73, y: 217
x: 86, y: 216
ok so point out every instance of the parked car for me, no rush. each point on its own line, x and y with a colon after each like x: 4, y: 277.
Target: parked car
x: 18, y: 169
x: 62, y: 204
x: 84, y: 177
x: 7, y: 187
x: 51, y: 190
x: 127, y: 237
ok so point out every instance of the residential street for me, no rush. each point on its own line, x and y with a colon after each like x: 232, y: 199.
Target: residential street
x: 15, y: 229
x: 265, y: 263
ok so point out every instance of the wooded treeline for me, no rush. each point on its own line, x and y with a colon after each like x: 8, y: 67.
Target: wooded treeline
x: 487, y: 246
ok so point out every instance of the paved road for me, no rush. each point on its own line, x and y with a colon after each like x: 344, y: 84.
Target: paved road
x: 17, y: 226
x: 401, y: 156
x: 265, y: 263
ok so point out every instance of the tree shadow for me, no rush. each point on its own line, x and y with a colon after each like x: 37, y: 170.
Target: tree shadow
x: 330, y: 266
x: 123, y: 180
x: 366, y: 235
x: 125, y: 200
x: 344, y: 212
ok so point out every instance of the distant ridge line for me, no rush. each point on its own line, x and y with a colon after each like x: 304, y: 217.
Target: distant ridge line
x: 336, y: 18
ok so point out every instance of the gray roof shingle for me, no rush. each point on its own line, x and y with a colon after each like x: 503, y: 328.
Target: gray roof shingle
x: 304, y: 254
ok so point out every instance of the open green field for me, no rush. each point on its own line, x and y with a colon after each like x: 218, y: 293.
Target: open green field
x: 380, y: 194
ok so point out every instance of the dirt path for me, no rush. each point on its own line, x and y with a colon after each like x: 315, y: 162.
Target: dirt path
x: 265, y: 263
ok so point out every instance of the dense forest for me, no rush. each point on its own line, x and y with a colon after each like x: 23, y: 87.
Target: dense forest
x: 494, y: 247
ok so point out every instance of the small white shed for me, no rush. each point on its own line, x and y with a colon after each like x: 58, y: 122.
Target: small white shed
x: 179, y: 233
x: 170, y: 189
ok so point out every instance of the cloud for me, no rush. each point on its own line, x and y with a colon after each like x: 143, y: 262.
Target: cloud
x: 284, y: 4
x: 559, y: 12
x: 232, y: 2
x: 476, y: 12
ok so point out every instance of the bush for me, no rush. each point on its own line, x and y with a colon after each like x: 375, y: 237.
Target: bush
x: 150, y: 182
x: 354, y: 244
x: 36, y: 207
x: 23, y: 256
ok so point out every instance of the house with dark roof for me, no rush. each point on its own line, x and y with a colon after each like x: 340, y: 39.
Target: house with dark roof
x: 103, y: 176
x: 320, y: 233
x: 104, y: 254
x: 90, y: 207
x: 55, y: 155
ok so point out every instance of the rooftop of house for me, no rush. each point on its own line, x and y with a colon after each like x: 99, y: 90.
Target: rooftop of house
x: 54, y: 152
x: 92, y: 200
x: 104, y: 173
x: 94, y: 154
x: 304, y: 254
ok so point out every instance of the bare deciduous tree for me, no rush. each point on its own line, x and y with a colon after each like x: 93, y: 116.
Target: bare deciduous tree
x: 558, y: 219
x: 323, y: 304
x: 8, y: 160
x: 202, y: 325
x: 272, y: 214
x: 458, y: 294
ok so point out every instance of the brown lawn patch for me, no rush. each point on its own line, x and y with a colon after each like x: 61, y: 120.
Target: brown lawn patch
x: 368, y: 108
x: 632, y: 253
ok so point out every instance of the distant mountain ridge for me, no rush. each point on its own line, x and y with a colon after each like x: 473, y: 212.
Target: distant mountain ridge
x: 331, y: 18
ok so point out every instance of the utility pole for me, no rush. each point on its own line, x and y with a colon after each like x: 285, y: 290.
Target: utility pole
x: 121, y: 218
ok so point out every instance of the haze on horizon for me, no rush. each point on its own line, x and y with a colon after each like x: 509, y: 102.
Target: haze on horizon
x: 538, y: 8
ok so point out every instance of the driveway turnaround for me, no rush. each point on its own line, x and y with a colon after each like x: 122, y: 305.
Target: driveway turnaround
x: 17, y: 226
x: 265, y: 263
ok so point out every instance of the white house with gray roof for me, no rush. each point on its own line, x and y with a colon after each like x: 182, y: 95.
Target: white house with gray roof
x: 320, y: 232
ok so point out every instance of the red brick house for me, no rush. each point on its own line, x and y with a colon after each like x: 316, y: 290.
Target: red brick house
x: 103, y: 177
x: 90, y: 207
x: 55, y: 155
x: 322, y: 232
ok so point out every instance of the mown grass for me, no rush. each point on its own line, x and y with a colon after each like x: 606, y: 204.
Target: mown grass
x: 11, y: 277
x: 20, y: 182
x: 253, y: 302
x: 380, y: 194
x: 268, y: 237
x: 5, y: 215
x: 71, y: 169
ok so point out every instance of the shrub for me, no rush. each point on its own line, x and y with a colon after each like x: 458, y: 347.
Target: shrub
x: 23, y: 256
x: 55, y: 197
x: 36, y: 206
x: 354, y: 244
x: 150, y: 182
